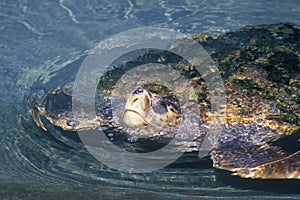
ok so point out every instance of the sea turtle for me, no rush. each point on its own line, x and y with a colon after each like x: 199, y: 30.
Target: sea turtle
x: 260, y: 68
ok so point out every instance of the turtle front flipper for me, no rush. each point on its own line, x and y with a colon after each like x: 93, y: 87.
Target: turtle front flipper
x: 264, y: 162
x: 36, y: 110
x: 56, y: 107
x: 284, y: 168
x: 36, y: 113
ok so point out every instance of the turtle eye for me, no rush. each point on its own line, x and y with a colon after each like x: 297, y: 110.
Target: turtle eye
x: 159, y: 105
x: 139, y: 90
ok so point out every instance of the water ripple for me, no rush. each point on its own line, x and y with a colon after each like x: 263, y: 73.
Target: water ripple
x: 72, y: 16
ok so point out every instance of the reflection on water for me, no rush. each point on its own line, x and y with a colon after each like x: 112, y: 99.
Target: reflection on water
x: 39, y: 37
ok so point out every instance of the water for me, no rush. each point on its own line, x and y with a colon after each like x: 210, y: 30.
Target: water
x: 40, y: 37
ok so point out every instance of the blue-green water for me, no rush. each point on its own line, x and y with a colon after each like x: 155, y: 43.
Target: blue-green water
x: 40, y: 37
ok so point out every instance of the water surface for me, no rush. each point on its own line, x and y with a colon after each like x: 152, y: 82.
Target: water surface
x: 40, y: 37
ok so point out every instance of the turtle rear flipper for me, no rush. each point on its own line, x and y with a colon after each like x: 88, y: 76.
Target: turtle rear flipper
x: 265, y: 162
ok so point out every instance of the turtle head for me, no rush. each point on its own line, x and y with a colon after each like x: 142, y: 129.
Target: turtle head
x: 145, y: 108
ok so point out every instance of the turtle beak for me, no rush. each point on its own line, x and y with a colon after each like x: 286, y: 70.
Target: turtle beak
x: 137, y: 108
x: 133, y: 119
